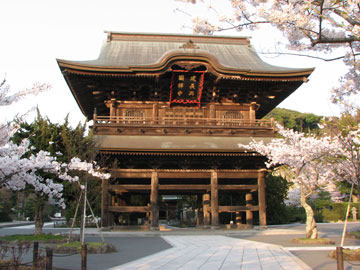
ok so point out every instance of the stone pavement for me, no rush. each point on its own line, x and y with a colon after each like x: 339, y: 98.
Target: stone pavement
x: 217, y: 252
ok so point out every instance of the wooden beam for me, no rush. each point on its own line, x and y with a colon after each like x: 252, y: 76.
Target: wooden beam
x: 238, y: 208
x: 129, y: 187
x: 144, y: 173
x: 129, y: 209
x: 238, y: 187
x: 239, y: 174
x: 184, y: 174
x: 126, y: 174
x: 184, y: 187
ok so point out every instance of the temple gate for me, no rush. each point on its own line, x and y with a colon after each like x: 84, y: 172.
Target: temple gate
x: 169, y: 112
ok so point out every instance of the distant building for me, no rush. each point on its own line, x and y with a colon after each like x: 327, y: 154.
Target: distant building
x: 169, y: 112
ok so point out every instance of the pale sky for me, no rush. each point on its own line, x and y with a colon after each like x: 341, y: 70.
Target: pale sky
x: 34, y: 33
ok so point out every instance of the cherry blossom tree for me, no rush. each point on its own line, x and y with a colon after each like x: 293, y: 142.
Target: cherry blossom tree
x: 347, y: 130
x: 320, y: 25
x: 7, y: 98
x: 310, y: 159
x: 19, y: 167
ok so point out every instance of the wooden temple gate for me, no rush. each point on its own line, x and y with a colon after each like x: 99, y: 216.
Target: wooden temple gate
x: 210, y: 193
x: 169, y: 112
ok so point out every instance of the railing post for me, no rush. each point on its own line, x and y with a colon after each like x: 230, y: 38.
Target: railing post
x: 95, y: 115
x: 83, y: 256
x: 35, y: 255
x: 49, y: 258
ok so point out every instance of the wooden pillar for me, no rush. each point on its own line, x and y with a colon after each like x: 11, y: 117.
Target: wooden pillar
x: 155, y: 113
x: 206, y: 209
x: 113, y: 109
x: 199, y: 212
x: 252, y: 112
x: 214, y: 200
x: 238, y: 219
x: 249, y: 214
x: 105, y: 203
x: 154, y: 207
x: 121, y: 200
x: 147, y: 217
x: 262, y: 202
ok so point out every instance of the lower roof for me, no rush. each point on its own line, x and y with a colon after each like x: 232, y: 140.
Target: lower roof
x: 175, y: 143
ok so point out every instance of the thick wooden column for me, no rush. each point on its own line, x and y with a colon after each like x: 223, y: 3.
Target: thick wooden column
x: 154, y: 207
x: 238, y: 219
x: 113, y: 109
x: 147, y: 217
x: 214, y: 201
x: 105, y: 222
x: 155, y: 113
x: 206, y: 209
x: 249, y: 214
x: 199, y: 211
x: 262, y: 202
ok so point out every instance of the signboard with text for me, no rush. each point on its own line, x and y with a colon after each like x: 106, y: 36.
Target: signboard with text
x: 186, y: 87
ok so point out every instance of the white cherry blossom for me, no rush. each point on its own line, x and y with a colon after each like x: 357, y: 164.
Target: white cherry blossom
x: 310, y: 160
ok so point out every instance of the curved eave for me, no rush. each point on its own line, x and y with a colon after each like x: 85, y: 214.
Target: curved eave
x: 166, y: 61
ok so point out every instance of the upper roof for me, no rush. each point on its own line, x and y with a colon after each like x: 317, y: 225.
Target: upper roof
x: 142, y: 64
x: 139, y: 52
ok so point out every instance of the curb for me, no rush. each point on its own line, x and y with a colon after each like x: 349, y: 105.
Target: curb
x: 15, y: 224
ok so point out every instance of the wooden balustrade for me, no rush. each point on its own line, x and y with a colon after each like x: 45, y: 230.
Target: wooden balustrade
x: 180, y: 121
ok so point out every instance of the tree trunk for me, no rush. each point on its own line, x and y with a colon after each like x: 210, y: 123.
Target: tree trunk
x: 39, y: 209
x: 358, y: 196
x: 311, y: 227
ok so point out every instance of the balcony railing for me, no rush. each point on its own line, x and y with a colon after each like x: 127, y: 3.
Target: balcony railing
x: 181, y: 122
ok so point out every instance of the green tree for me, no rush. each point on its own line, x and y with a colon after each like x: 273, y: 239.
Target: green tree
x: 7, y: 203
x: 64, y: 142
x: 276, y: 194
x: 302, y: 122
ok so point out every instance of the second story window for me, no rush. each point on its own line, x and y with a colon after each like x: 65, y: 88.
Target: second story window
x: 134, y: 117
x: 232, y: 118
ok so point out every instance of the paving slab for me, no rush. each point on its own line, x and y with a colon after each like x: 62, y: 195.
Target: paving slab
x: 209, y: 252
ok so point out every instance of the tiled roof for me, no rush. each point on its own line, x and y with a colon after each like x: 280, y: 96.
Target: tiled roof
x: 125, y: 52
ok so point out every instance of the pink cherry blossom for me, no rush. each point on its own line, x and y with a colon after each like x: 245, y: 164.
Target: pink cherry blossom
x: 309, y: 161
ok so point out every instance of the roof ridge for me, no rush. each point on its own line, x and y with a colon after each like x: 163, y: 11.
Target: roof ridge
x: 165, y: 37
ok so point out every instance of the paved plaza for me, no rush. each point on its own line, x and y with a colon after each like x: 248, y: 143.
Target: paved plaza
x: 217, y: 252
x: 258, y: 248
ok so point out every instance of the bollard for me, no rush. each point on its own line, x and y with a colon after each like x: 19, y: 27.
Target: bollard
x: 339, y: 258
x: 83, y: 256
x: 35, y: 255
x: 49, y: 258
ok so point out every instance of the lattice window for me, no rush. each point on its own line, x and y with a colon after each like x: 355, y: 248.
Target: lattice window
x: 135, y: 116
x: 232, y: 118
x: 183, y: 116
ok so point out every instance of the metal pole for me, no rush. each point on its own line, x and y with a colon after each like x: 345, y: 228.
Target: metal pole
x: 339, y: 258
x: 35, y: 255
x: 49, y: 258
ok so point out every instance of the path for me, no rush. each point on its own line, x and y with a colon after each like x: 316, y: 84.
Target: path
x: 217, y: 252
